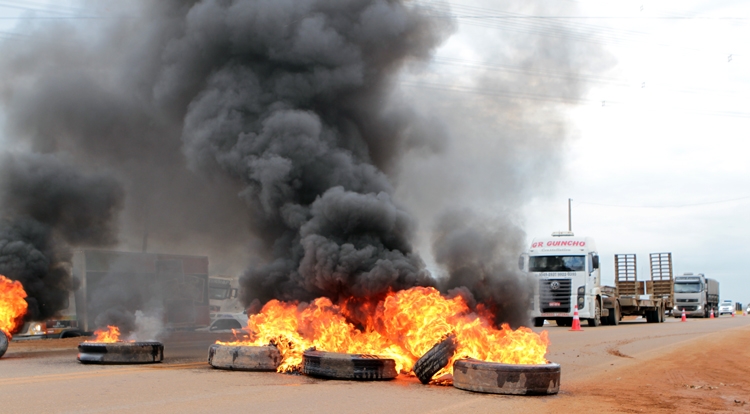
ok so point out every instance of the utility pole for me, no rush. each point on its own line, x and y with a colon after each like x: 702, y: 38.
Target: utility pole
x: 570, y: 215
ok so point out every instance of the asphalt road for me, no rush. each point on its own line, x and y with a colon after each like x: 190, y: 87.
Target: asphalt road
x: 45, y: 377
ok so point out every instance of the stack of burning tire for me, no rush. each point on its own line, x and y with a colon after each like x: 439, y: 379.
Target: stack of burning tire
x: 146, y: 352
x: 107, y: 348
x: 488, y: 377
x: 334, y: 365
x: 244, y: 357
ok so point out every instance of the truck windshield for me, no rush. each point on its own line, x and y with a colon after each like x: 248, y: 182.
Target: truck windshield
x: 218, y: 293
x: 687, y: 287
x: 557, y: 263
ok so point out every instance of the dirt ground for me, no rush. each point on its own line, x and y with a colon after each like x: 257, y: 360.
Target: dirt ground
x: 698, y: 367
x: 706, y: 375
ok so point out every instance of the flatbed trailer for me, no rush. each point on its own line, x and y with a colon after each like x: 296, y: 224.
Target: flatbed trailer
x: 648, y: 298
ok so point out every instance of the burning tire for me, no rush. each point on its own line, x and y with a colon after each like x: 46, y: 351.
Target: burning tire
x: 147, y: 352
x: 244, y: 358
x: 497, y: 378
x: 435, y: 359
x: 3, y: 343
x: 348, y: 366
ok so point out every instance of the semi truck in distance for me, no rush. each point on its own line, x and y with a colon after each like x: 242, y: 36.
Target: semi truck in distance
x: 565, y: 273
x: 223, y: 296
x: 696, y: 294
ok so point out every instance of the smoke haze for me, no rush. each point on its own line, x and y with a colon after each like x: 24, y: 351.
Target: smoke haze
x: 272, y: 136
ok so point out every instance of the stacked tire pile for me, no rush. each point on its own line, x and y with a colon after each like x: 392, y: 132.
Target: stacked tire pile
x: 468, y: 374
x: 488, y: 377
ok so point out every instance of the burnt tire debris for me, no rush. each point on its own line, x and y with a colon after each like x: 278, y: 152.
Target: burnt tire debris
x: 498, y: 378
x: 244, y: 358
x: 333, y: 365
x: 435, y: 359
x: 144, y: 352
x: 3, y: 343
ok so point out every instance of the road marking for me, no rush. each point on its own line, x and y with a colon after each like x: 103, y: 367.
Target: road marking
x: 99, y: 373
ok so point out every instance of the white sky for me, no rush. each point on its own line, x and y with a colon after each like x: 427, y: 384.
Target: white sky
x: 657, y: 156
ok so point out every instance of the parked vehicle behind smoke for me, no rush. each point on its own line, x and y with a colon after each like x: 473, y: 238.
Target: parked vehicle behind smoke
x: 223, y: 296
x: 175, y: 284
x: 226, y: 323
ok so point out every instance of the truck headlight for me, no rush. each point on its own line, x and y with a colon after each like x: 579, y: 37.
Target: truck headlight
x: 581, y: 298
x: 699, y: 307
x: 36, y: 329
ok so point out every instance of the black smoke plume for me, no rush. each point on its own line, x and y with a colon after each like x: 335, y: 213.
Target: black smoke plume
x: 48, y: 207
x: 267, y: 135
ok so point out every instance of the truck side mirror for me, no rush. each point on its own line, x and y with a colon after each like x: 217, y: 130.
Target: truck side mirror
x: 595, y: 261
x: 522, y: 262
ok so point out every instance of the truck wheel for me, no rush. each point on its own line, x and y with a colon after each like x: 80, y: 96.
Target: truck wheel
x: 597, y: 319
x: 497, y: 378
x: 244, y: 358
x: 435, y: 359
x: 538, y: 322
x: 347, y: 366
x: 3, y: 343
x: 614, y: 316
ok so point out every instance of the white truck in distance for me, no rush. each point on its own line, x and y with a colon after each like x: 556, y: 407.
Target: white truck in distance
x: 223, y: 297
x: 565, y: 273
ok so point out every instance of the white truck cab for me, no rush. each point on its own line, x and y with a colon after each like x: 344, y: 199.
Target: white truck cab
x: 565, y: 273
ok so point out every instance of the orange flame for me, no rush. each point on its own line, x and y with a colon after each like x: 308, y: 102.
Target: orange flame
x: 13, y: 306
x: 110, y: 335
x: 403, y: 326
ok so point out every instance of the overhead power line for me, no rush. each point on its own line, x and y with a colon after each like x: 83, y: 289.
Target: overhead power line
x: 665, y: 206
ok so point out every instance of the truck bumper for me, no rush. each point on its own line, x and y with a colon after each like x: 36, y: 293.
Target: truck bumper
x: 677, y: 312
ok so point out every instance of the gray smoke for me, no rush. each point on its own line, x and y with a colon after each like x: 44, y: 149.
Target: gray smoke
x: 48, y: 207
x: 480, y: 256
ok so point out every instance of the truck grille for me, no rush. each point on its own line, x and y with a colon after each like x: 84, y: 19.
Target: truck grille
x: 554, y: 300
x: 687, y: 300
x: 687, y: 308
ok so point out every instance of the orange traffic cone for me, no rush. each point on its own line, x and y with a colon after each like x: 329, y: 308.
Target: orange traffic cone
x: 576, y: 320
x: 733, y: 314
x: 712, y: 314
x: 684, y: 317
